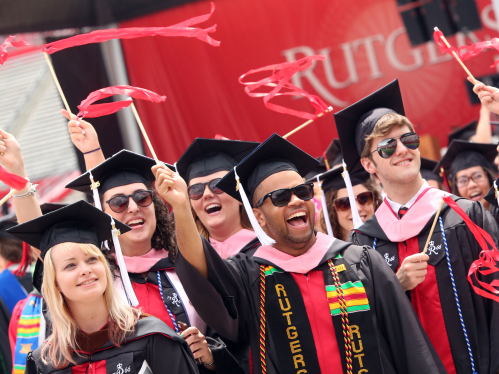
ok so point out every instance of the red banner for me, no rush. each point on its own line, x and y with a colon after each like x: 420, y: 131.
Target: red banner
x: 365, y: 48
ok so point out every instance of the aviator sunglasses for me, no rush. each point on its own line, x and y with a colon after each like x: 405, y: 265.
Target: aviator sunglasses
x: 282, y: 197
x: 196, y: 191
x: 343, y: 203
x: 120, y: 203
x: 386, y: 148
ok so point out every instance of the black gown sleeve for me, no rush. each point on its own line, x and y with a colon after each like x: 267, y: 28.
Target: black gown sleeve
x: 30, y: 365
x: 403, y: 341
x: 219, y: 300
x: 165, y: 355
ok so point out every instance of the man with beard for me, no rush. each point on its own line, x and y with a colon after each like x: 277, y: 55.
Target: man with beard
x: 462, y: 326
x: 305, y: 302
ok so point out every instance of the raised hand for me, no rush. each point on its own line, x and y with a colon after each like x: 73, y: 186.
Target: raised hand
x: 412, y: 271
x: 170, y: 186
x: 489, y: 96
x: 83, y: 134
x: 10, y: 154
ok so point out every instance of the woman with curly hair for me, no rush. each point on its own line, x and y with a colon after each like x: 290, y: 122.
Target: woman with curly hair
x: 92, y: 330
x: 367, y: 198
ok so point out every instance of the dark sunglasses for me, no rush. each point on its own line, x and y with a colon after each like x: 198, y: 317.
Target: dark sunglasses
x: 196, y: 191
x: 343, y: 203
x: 282, y: 197
x: 120, y: 203
x: 386, y: 148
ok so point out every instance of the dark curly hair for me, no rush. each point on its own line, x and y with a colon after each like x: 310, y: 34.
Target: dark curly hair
x: 164, y: 235
x: 338, y: 231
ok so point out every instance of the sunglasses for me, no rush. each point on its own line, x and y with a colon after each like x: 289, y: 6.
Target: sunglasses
x: 343, y: 203
x: 196, y: 191
x: 120, y: 203
x: 282, y: 197
x: 386, y: 148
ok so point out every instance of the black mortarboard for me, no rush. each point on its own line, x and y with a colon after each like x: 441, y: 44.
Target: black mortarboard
x: 76, y: 223
x: 491, y: 195
x: 208, y: 156
x: 274, y: 155
x: 463, y: 133
x: 332, y: 154
x: 357, y: 121
x: 310, y: 177
x: 462, y: 155
x: 333, y: 180
x: 427, y: 170
x: 123, y: 168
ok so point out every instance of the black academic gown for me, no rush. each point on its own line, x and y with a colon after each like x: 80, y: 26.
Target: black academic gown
x: 153, y: 342
x: 481, y: 315
x: 229, y: 301
x: 5, y: 352
x: 494, y: 212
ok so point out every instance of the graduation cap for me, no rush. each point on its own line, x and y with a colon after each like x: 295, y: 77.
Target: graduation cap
x: 462, y: 155
x: 463, y: 133
x: 208, y: 156
x: 357, y: 121
x: 332, y: 155
x: 274, y: 155
x: 76, y: 223
x: 493, y: 194
x: 427, y: 170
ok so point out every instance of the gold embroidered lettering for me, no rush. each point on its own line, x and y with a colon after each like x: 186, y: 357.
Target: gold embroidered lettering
x: 280, y: 288
x: 302, y: 371
x: 359, y: 357
x: 354, y: 329
x: 298, y: 359
x: 360, y: 347
x: 363, y: 371
x: 282, y: 306
x: 287, y: 316
x: 295, y: 346
x: 291, y: 335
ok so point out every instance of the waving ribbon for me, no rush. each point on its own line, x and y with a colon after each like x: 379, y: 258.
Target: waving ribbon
x: 12, y: 180
x: 488, y: 258
x: 7, y: 43
x: 279, y: 80
x: 97, y: 110
x: 180, y: 29
x: 467, y: 51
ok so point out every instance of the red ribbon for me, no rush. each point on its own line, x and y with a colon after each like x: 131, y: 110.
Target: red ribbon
x: 97, y: 110
x: 467, y: 51
x: 180, y: 29
x: 281, y: 74
x: 12, y: 180
x: 221, y: 137
x: 486, y: 263
x: 7, y: 43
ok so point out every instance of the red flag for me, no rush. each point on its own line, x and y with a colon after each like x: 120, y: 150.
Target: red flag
x: 7, y: 43
x: 467, y: 51
x: 97, y: 110
x: 488, y: 258
x: 180, y: 29
x: 281, y: 74
x: 12, y: 180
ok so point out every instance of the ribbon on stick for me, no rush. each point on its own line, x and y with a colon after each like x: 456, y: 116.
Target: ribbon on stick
x: 12, y: 180
x: 180, y: 29
x: 279, y: 80
x: 7, y: 43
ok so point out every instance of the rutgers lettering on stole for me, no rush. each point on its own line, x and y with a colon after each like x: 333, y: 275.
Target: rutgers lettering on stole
x: 357, y: 347
x: 291, y: 331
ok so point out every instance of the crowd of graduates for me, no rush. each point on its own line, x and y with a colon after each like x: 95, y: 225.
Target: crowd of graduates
x: 247, y: 257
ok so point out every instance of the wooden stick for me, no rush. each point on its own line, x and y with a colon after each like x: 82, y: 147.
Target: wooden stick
x: 433, y: 226
x: 144, y: 133
x: 6, y: 197
x: 307, y: 123
x: 51, y: 67
x: 457, y: 58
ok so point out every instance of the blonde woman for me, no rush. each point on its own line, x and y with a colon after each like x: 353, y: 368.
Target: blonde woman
x: 93, y: 331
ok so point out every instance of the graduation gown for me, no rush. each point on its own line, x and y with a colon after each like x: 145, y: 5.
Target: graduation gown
x: 494, y: 212
x: 433, y: 299
x: 386, y: 335
x: 5, y: 352
x: 235, y: 243
x: 152, y: 341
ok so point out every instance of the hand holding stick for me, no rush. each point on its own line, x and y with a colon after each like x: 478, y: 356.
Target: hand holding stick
x: 433, y: 226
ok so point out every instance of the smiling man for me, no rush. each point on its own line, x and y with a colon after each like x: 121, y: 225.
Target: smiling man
x: 463, y: 326
x: 305, y: 302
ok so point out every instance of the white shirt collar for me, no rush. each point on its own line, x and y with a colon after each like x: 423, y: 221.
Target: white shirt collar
x: 396, y: 206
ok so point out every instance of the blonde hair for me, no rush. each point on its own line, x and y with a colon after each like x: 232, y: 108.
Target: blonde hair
x: 384, y: 125
x: 60, y: 346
